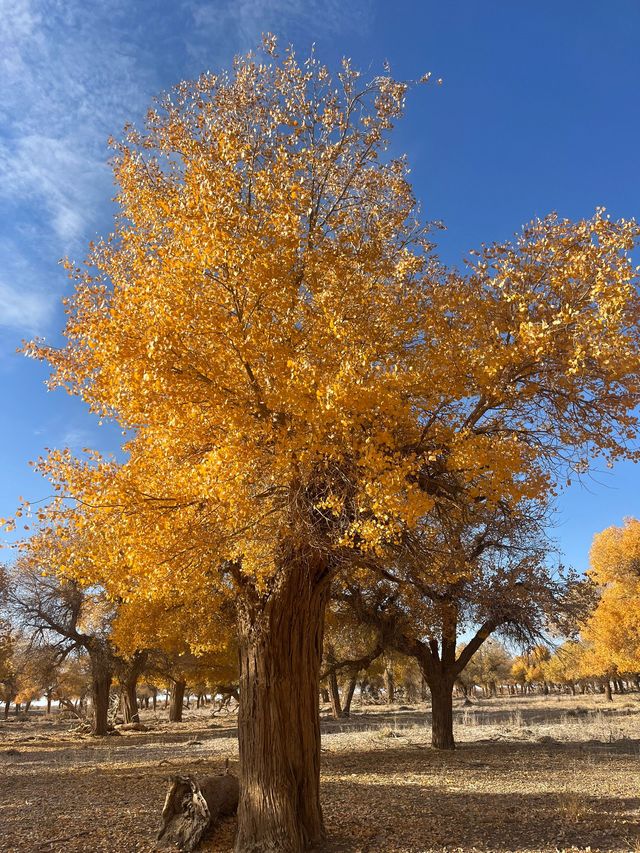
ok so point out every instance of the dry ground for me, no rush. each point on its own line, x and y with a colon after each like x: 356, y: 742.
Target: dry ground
x: 538, y: 774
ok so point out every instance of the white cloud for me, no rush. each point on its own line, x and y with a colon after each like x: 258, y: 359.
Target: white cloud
x: 68, y: 83
x: 76, y: 438
x: 244, y: 21
x: 28, y: 311
x: 50, y: 171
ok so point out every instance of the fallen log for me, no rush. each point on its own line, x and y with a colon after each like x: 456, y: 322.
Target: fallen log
x: 193, y: 808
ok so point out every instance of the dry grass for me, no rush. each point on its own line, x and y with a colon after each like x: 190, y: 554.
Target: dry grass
x: 528, y: 775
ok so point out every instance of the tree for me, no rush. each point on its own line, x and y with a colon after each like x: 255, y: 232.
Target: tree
x: 490, y: 666
x: 613, y: 630
x: 268, y: 322
x: 566, y: 665
x: 476, y: 572
x: 349, y: 648
x: 64, y: 617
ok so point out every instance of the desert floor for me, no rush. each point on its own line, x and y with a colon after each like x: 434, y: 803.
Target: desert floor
x: 535, y: 774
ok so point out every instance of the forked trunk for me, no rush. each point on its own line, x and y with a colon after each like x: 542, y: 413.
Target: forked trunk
x: 131, y: 673
x: 346, y: 711
x: 442, y: 714
x: 177, y: 700
x: 278, y: 722
x: 130, y: 701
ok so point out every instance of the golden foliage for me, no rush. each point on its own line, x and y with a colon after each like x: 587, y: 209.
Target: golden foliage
x: 293, y: 367
x: 614, y: 628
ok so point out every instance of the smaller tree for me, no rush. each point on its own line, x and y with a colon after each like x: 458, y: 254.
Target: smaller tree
x: 487, y: 575
x: 613, y: 629
x: 488, y: 668
x: 65, y: 618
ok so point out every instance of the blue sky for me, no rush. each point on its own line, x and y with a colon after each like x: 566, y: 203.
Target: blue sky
x: 539, y: 111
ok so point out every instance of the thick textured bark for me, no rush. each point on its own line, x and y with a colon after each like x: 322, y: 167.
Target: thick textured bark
x: 607, y: 690
x: 278, y: 723
x: 351, y: 687
x: 101, y: 677
x: 129, y: 697
x: 100, y: 687
x: 130, y: 700
x: 177, y: 699
x: 442, y: 714
x: 334, y: 695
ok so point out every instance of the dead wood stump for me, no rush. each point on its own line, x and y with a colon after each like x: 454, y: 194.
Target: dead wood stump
x: 192, y: 809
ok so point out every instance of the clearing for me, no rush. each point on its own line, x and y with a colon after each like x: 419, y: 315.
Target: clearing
x: 556, y: 773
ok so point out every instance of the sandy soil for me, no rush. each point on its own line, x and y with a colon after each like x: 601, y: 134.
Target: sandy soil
x: 538, y: 774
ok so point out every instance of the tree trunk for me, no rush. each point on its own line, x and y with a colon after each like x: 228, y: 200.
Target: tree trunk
x: 423, y: 689
x: 334, y: 696
x: 346, y: 710
x: 442, y: 714
x: 131, y: 671
x: 389, y: 685
x: 177, y: 699
x: 130, y: 699
x: 607, y: 690
x: 7, y: 708
x: 324, y: 696
x: 101, y: 676
x: 278, y: 723
x: 48, y: 695
x: 100, y: 687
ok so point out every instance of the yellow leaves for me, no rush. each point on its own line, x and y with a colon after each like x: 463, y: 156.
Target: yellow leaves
x: 614, y: 627
x: 294, y: 365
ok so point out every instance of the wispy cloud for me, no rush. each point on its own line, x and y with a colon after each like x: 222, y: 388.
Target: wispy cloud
x: 72, y: 74
x: 71, y: 77
x: 67, y: 85
x: 241, y: 22
x: 28, y: 311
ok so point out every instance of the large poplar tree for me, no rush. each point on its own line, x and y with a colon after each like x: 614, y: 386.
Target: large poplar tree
x: 302, y: 382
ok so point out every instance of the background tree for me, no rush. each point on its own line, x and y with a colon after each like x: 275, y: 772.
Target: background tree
x: 613, y: 630
x: 349, y: 648
x: 486, y: 574
x: 63, y: 617
x: 489, y: 667
x: 566, y: 665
